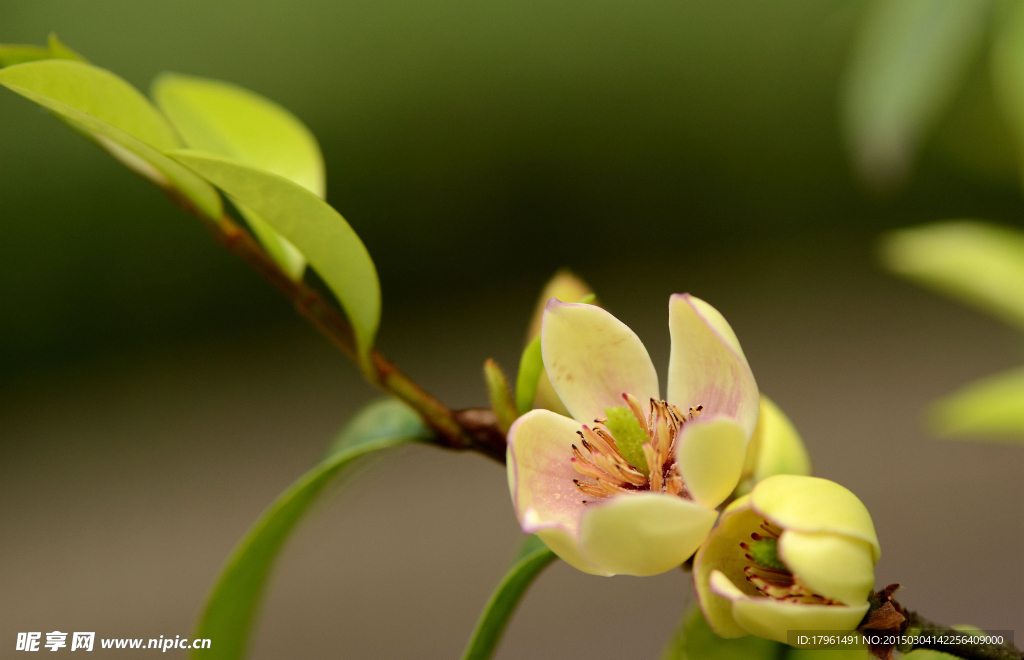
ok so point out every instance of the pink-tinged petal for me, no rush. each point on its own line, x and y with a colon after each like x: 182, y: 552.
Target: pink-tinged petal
x: 710, y: 455
x: 540, y: 470
x: 707, y: 366
x: 643, y: 534
x: 592, y: 358
x: 540, y: 478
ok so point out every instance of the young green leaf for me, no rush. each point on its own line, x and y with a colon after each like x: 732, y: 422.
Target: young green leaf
x: 907, y: 64
x: 111, y: 112
x: 309, y: 223
x: 11, y: 54
x: 978, y: 263
x: 532, y: 558
x: 502, y: 402
x: 531, y: 366
x: 224, y: 119
x: 232, y: 604
x: 694, y: 640
x: 991, y: 407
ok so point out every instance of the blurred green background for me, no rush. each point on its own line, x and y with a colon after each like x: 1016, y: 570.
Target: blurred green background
x: 157, y: 395
x: 468, y: 144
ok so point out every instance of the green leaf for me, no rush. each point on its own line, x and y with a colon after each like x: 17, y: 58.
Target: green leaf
x: 232, y: 604
x: 978, y: 263
x: 694, y: 640
x: 224, y: 119
x: 11, y: 54
x: 60, y: 51
x: 500, y: 395
x: 532, y: 558
x: 908, y: 62
x: 531, y: 366
x: 309, y: 223
x: 108, y: 110
x: 992, y: 407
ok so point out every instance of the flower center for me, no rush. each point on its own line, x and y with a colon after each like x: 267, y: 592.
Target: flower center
x: 770, y: 576
x: 628, y: 452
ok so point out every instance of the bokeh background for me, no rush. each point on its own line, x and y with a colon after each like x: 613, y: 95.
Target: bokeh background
x: 155, y: 395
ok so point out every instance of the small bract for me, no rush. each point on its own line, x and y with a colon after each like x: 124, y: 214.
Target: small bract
x: 797, y: 553
x: 629, y: 483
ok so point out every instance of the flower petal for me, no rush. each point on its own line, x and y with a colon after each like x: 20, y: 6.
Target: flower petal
x: 540, y: 470
x: 561, y: 542
x: 772, y: 619
x: 710, y: 455
x: 720, y: 553
x: 592, y: 358
x: 643, y: 534
x: 810, y: 504
x: 540, y: 478
x: 706, y: 366
x: 834, y: 566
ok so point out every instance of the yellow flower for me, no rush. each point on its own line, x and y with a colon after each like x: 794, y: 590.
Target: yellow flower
x: 629, y: 483
x: 797, y: 553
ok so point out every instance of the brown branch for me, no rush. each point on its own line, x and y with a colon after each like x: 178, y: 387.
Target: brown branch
x: 473, y: 430
x: 888, y: 622
x: 931, y: 632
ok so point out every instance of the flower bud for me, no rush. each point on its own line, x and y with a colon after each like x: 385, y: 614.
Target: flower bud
x: 797, y: 553
x: 775, y: 448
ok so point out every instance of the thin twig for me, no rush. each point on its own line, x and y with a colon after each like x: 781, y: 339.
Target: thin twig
x: 470, y: 429
x: 931, y: 635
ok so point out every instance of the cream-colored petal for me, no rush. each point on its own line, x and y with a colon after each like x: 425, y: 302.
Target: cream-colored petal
x: 592, y: 359
x: 831, y: 565
x: 810, y: 504
x: 773, y: 619
x: 643, y: 534
x: 706, y: 365
x: 781, y: 451
x: 547, y: 398
x: 721, y: 553
x: 561, y: 542
x: 540, y: 471
x: 564, y: 285
x: 710, y: 454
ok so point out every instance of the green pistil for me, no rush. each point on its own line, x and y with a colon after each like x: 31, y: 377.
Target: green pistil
x: 629, y: 436
x: 766, y: 554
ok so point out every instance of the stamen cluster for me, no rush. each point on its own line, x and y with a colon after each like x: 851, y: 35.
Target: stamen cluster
x: 771, y: 578
x: 608, y: 473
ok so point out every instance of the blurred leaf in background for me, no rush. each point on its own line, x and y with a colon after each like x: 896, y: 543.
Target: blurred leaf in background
x: 982, y: 265
x: 456, y: 134
x: 909, y: 61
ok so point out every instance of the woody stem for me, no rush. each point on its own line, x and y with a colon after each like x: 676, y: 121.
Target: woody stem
x: 475, y: 430
x: 931, y: 634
